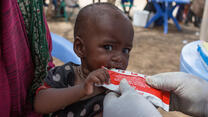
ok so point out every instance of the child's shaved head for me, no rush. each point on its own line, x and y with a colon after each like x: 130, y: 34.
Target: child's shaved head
x: 103, y: 37
x: 95, y: 13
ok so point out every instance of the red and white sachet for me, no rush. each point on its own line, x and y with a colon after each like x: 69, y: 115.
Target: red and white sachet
x: 137, y: 81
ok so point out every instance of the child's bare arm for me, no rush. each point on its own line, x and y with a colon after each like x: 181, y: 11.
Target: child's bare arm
x: 52, y: 99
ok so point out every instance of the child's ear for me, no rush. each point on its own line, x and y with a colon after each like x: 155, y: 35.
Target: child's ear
x: 79, y: 48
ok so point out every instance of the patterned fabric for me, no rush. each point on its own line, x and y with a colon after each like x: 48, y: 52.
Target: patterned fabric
x: 32, y: 12
x: 16, y: 65
x: 62, y: 77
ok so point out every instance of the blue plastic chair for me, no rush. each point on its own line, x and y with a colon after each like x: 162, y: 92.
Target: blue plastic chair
x: 63, y: 49
x: 166, y: 11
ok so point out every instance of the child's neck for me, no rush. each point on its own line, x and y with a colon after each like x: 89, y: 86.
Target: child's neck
x: 80, y: 78
x: 82, y: 72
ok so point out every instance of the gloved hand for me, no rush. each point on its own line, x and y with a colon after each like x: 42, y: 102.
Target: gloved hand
x: 128, y: 104
x: 189, y: 94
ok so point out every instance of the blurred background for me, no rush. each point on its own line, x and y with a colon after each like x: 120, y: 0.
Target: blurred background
x: 153, y: 51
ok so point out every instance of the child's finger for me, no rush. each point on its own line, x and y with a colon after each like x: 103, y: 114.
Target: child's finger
x: 101, y: 77
x: 96, y: 80
x: 107, y: 76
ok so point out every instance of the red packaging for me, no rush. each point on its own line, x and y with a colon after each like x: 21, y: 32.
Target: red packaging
x: 137, y: 81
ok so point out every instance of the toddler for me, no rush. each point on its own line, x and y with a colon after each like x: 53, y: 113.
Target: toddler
x: 103, y: 37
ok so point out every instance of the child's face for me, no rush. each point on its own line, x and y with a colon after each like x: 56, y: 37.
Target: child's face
x: 108, y: 45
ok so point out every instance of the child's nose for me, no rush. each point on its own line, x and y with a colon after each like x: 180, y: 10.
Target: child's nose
x: 117, y: 57
x: 118, y: 62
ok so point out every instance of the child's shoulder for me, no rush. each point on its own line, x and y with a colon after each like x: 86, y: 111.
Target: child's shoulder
x: 65, y: 67
x: 61, y: 76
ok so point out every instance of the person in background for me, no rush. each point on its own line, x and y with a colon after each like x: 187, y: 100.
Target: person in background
x: 180, y: 13
x: 103, y: 36
x: 127, y: 5
x: 25, y: 46
x: 197, y: 7
x: 150, y: 7
x: 55, y: 3
x: 191, y: 17
x: 44, y: 3
x: 196, y: 11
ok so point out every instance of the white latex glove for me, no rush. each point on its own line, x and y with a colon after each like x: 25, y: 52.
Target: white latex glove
x: 129, y: 104
x: 189, y: 94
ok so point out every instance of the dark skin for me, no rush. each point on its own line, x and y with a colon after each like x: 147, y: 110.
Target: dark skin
x: 107, y: 43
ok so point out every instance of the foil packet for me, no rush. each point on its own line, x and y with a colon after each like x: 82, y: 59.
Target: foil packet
x: 137, y: 81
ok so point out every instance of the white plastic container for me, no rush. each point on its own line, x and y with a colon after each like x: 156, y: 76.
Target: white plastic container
x: 140, y: 18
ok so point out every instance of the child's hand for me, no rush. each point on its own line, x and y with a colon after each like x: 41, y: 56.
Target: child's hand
x: 98, y: 77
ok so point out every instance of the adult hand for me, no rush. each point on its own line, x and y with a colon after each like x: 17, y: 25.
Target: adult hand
x: 128, y: 104
x: 189, y: 94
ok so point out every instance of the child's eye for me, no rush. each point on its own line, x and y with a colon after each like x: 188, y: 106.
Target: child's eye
x: 126, y: 50
x: 108, y: 47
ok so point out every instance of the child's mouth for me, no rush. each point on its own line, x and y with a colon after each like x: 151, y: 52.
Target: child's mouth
x: 115, y: 68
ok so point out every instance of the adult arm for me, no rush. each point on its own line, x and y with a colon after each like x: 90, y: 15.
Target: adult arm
x: 188, y: 93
